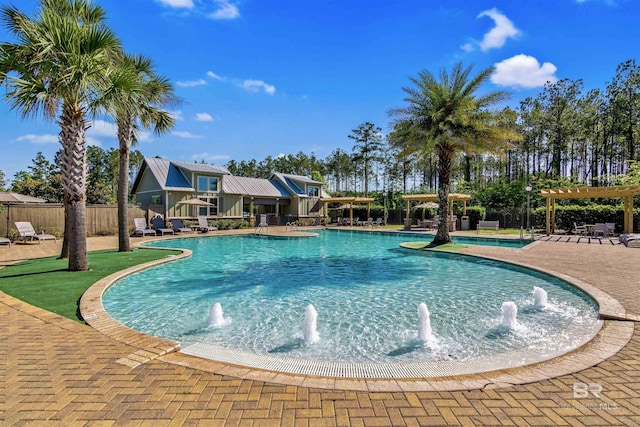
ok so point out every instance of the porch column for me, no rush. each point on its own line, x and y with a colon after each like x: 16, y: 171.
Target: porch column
x: 548, y: 216
x: 408, y: 207
x: 251, y: 211
x: 464, y: 208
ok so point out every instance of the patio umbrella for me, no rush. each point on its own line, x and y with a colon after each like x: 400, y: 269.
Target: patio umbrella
x: 7, y: 197
x: 426, y: 205
x: 195, y: 202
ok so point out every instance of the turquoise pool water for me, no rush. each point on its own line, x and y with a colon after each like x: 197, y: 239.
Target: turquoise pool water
x: 366, y: 291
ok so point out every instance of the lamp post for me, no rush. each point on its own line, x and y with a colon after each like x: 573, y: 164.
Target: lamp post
x: 528, y: 189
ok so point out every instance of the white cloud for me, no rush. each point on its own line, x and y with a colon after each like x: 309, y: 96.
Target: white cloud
x: 256, y: 85
x: 38, y: 139
x: 192, y: 83
x: 225, y: 10
x: 213, y: 75
x: 204, y: 117
x: 93, y: 141
x: 523, y: 71
x: 187, y: 4
x: 177, y: 115
x: 210, y: 157
x: 186, y: 135
x: 498, y: 35
x: 467, y: 47
x: 281, y: 155
x: 101, y: 128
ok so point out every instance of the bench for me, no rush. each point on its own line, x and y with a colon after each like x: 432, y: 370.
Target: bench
x: 488, y: 225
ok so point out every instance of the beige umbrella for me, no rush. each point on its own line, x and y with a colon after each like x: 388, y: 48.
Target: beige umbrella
x: 427, y: 205
x: 9, y: 197
x: 195, y: 202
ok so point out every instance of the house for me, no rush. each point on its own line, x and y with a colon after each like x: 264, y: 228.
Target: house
x: 161, y: 185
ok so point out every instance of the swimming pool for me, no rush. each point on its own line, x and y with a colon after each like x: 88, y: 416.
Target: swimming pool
x: 366, y: 291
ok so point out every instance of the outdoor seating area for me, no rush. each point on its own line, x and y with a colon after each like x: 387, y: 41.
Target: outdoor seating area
x: 203, y: 225
x: 141, y: 228
x: 160, y: 227
x: 598, y: 230
x: 26, y: 231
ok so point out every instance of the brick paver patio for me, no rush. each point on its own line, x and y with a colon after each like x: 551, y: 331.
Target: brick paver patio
x: 55, y: 371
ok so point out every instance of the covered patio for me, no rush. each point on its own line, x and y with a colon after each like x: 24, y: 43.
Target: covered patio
x: 453, y: 197
x: 351, y: 201
x: 627, y: 192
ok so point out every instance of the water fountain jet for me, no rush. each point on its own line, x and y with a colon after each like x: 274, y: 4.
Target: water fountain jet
x: 309, y: 325
x: 216, y: 318
x: 509, y: 313
x: 424, y: 323
x: 539, y: 297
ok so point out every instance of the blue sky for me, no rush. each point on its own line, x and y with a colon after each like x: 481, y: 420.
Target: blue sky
x: 263, y: 77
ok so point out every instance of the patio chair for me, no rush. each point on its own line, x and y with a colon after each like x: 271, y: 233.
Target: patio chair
x: 378, y: 223
x: 204, y: 226
x: 579, y: 229
x: 611, y: 228
x: 369, y: 222
x: 178, y: 226
x: 25, y: 230
x: 600, y: 229
x: 142, y: 229
x: 5, y: 241
x: 157, y: 223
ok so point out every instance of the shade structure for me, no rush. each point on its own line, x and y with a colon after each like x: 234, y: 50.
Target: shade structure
x: 7, y: 197
x: 427, y: 205
x: 195, y: 202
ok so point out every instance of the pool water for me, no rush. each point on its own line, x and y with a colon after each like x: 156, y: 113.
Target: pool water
x: 366, y: 291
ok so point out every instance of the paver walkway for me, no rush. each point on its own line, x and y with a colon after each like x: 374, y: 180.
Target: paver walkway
x: 54, y: 371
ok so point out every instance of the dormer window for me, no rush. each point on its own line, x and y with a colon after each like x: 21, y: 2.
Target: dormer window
x: 313, y: 191
x: 207, y: 183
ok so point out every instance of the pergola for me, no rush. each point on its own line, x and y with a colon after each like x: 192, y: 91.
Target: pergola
x: 351, y: 201
x: 453, y: 197
x: 627, y: 192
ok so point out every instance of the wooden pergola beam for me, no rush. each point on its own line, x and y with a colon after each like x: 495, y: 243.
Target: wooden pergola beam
x: 352, y: 200
x: 627, y: 192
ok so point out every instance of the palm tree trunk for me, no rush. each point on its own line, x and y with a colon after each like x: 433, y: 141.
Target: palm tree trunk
x: 124, y: 136
x: 73, y: 165
x: 445, y: 153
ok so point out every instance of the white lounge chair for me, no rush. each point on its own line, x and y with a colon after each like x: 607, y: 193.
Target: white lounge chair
x: 204, y: 226
x: 142, y: 229
x: 378, y: 222
x: 25, y: 230
x: 5, y: 241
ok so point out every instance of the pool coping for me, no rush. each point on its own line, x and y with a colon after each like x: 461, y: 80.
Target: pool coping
x: 615, y: 333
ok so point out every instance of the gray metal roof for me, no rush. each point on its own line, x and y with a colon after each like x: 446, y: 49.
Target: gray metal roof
x: 168, y: 175
x: 252, y: 187
x: 201, y: 167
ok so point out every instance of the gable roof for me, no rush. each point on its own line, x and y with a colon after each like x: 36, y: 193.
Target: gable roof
x: 252, y: 187
x: 170, y: 175
x: 291, y: 182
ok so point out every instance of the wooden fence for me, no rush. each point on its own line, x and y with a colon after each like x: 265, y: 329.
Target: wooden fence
x: 49, y: 217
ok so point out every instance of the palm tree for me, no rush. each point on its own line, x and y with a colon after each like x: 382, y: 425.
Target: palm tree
x: 446, y: 116
x: 133, y: 99
x: 57, y: 66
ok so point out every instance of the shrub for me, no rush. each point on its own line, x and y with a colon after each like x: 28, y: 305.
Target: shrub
x: 590, y: 214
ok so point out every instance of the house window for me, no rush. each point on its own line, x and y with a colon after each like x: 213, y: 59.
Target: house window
x: 156, y: 200
x: 208, y: 210
x: 207, y: 183
x: 313, y: 191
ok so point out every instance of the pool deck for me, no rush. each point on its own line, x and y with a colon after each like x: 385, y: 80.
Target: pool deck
x: 59, y: 372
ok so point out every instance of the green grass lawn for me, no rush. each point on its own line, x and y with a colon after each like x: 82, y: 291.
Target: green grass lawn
x: 46, y: 283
